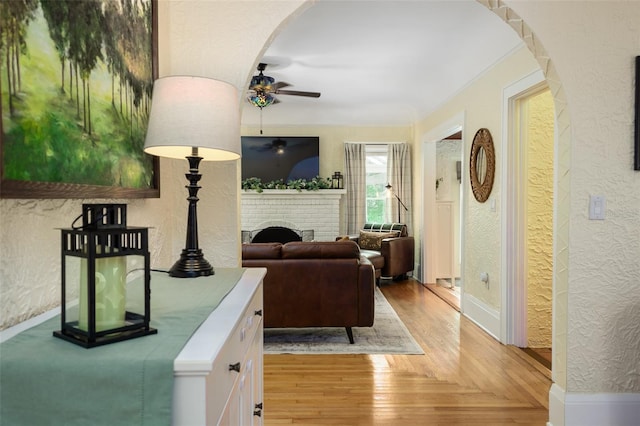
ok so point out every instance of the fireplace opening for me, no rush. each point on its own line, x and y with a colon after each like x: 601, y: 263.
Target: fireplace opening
x: 276, y: 234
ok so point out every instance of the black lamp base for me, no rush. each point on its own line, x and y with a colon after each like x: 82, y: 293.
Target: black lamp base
x: 191, y: 264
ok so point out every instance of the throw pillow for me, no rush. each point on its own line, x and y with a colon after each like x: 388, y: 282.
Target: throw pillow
x: 344, y: 238
x: 373, y: 240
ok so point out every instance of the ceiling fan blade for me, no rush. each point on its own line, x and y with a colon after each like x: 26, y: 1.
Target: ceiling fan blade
x: 279, y: 85
x: 298, y: 93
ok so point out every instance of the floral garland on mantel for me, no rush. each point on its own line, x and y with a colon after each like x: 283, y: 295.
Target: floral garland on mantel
x: 299, y: 185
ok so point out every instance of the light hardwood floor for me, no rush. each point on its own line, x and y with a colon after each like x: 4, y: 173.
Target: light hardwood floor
x: 451, y: 296
x: 466, y: 377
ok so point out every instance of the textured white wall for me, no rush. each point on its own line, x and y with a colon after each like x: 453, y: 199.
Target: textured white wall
x: 539, y: 141
x: 30, y: 248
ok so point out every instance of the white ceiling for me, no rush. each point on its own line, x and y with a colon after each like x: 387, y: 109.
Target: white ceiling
x: 386, y: 63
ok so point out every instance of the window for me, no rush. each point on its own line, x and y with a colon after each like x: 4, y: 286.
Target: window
x: 376, y: 171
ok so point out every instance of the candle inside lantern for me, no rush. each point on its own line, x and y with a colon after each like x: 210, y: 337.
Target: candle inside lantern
x: 110, y: 293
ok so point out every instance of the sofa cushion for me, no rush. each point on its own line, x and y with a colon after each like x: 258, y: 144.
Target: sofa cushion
x: 321, y: 250
x: 373, y: 256
x: 373, y: 240
x: 261, y: 251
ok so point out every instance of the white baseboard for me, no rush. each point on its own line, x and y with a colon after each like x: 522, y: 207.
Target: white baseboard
x: 593, y: 409
x: 482, y: 314
x: 556, y: 406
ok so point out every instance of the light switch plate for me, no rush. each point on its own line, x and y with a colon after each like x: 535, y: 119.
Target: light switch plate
x: 597, y: 206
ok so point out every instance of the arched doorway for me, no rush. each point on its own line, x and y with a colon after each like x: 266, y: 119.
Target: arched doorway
x: 562, y: 167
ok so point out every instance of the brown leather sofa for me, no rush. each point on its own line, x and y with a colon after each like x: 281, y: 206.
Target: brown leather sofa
x: 388, y: 248
x: 314, y: 284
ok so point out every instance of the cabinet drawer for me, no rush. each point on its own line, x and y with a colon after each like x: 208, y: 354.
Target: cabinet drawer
x: 252, y: 319
x: 223, y: 377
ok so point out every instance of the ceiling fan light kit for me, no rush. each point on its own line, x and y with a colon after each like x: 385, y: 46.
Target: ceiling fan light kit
x: 261, y: 99
x: 263, y: 87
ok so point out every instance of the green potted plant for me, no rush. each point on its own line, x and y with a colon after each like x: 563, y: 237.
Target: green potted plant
x: 299, y: 185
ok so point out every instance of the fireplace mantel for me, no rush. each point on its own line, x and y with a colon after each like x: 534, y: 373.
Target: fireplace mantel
x: 303, y: 210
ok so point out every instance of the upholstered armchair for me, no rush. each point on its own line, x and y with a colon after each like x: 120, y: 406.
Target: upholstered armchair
x: 388, y: 247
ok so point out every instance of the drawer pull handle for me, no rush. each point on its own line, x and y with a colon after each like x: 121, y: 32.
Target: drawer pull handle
x: 258, y: 410
x: 258, y: 312
x: 234, y: 367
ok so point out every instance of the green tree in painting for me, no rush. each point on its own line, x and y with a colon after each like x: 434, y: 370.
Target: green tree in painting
x: 56, y: 13
x: 75, y: 28
x: 129, y: 60
x: 114, y: 19
x: 85, y: 48
x: 14, y: 18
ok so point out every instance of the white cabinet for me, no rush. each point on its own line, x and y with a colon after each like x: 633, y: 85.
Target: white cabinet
x: 218, y: 373
x: 444, y: 246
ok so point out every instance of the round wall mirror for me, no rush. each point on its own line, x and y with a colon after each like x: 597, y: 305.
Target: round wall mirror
x: 482, y: 165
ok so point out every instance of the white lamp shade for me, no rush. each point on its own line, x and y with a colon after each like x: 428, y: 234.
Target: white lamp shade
x: 189, y: 112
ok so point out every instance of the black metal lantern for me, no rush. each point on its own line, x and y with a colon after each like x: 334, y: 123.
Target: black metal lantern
x: 96, y: 260
x: 336, y: 180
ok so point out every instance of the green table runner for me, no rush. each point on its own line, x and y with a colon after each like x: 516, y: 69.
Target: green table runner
x: 48, y: 381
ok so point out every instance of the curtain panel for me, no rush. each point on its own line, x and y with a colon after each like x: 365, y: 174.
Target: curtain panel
x: 399, y: 176
x: 355, y: 181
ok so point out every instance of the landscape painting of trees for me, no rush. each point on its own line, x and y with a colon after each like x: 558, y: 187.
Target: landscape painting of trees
x: 76, y: 79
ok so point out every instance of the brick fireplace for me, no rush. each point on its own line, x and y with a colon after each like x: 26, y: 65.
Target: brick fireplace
x: 305, y: 210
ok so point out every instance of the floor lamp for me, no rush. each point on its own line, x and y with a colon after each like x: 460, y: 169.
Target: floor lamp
x: 198, y: 119
x: 400, y: 203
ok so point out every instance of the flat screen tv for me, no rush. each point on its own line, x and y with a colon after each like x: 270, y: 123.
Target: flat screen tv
x: 280, y: 157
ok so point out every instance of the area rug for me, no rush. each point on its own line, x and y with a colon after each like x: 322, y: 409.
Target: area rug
x: 387, y: 336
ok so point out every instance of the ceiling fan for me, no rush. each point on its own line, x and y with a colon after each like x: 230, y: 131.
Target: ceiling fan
x: 262, y: 88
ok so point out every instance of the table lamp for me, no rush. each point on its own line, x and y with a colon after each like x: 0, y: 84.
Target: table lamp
x: 198, y: 119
